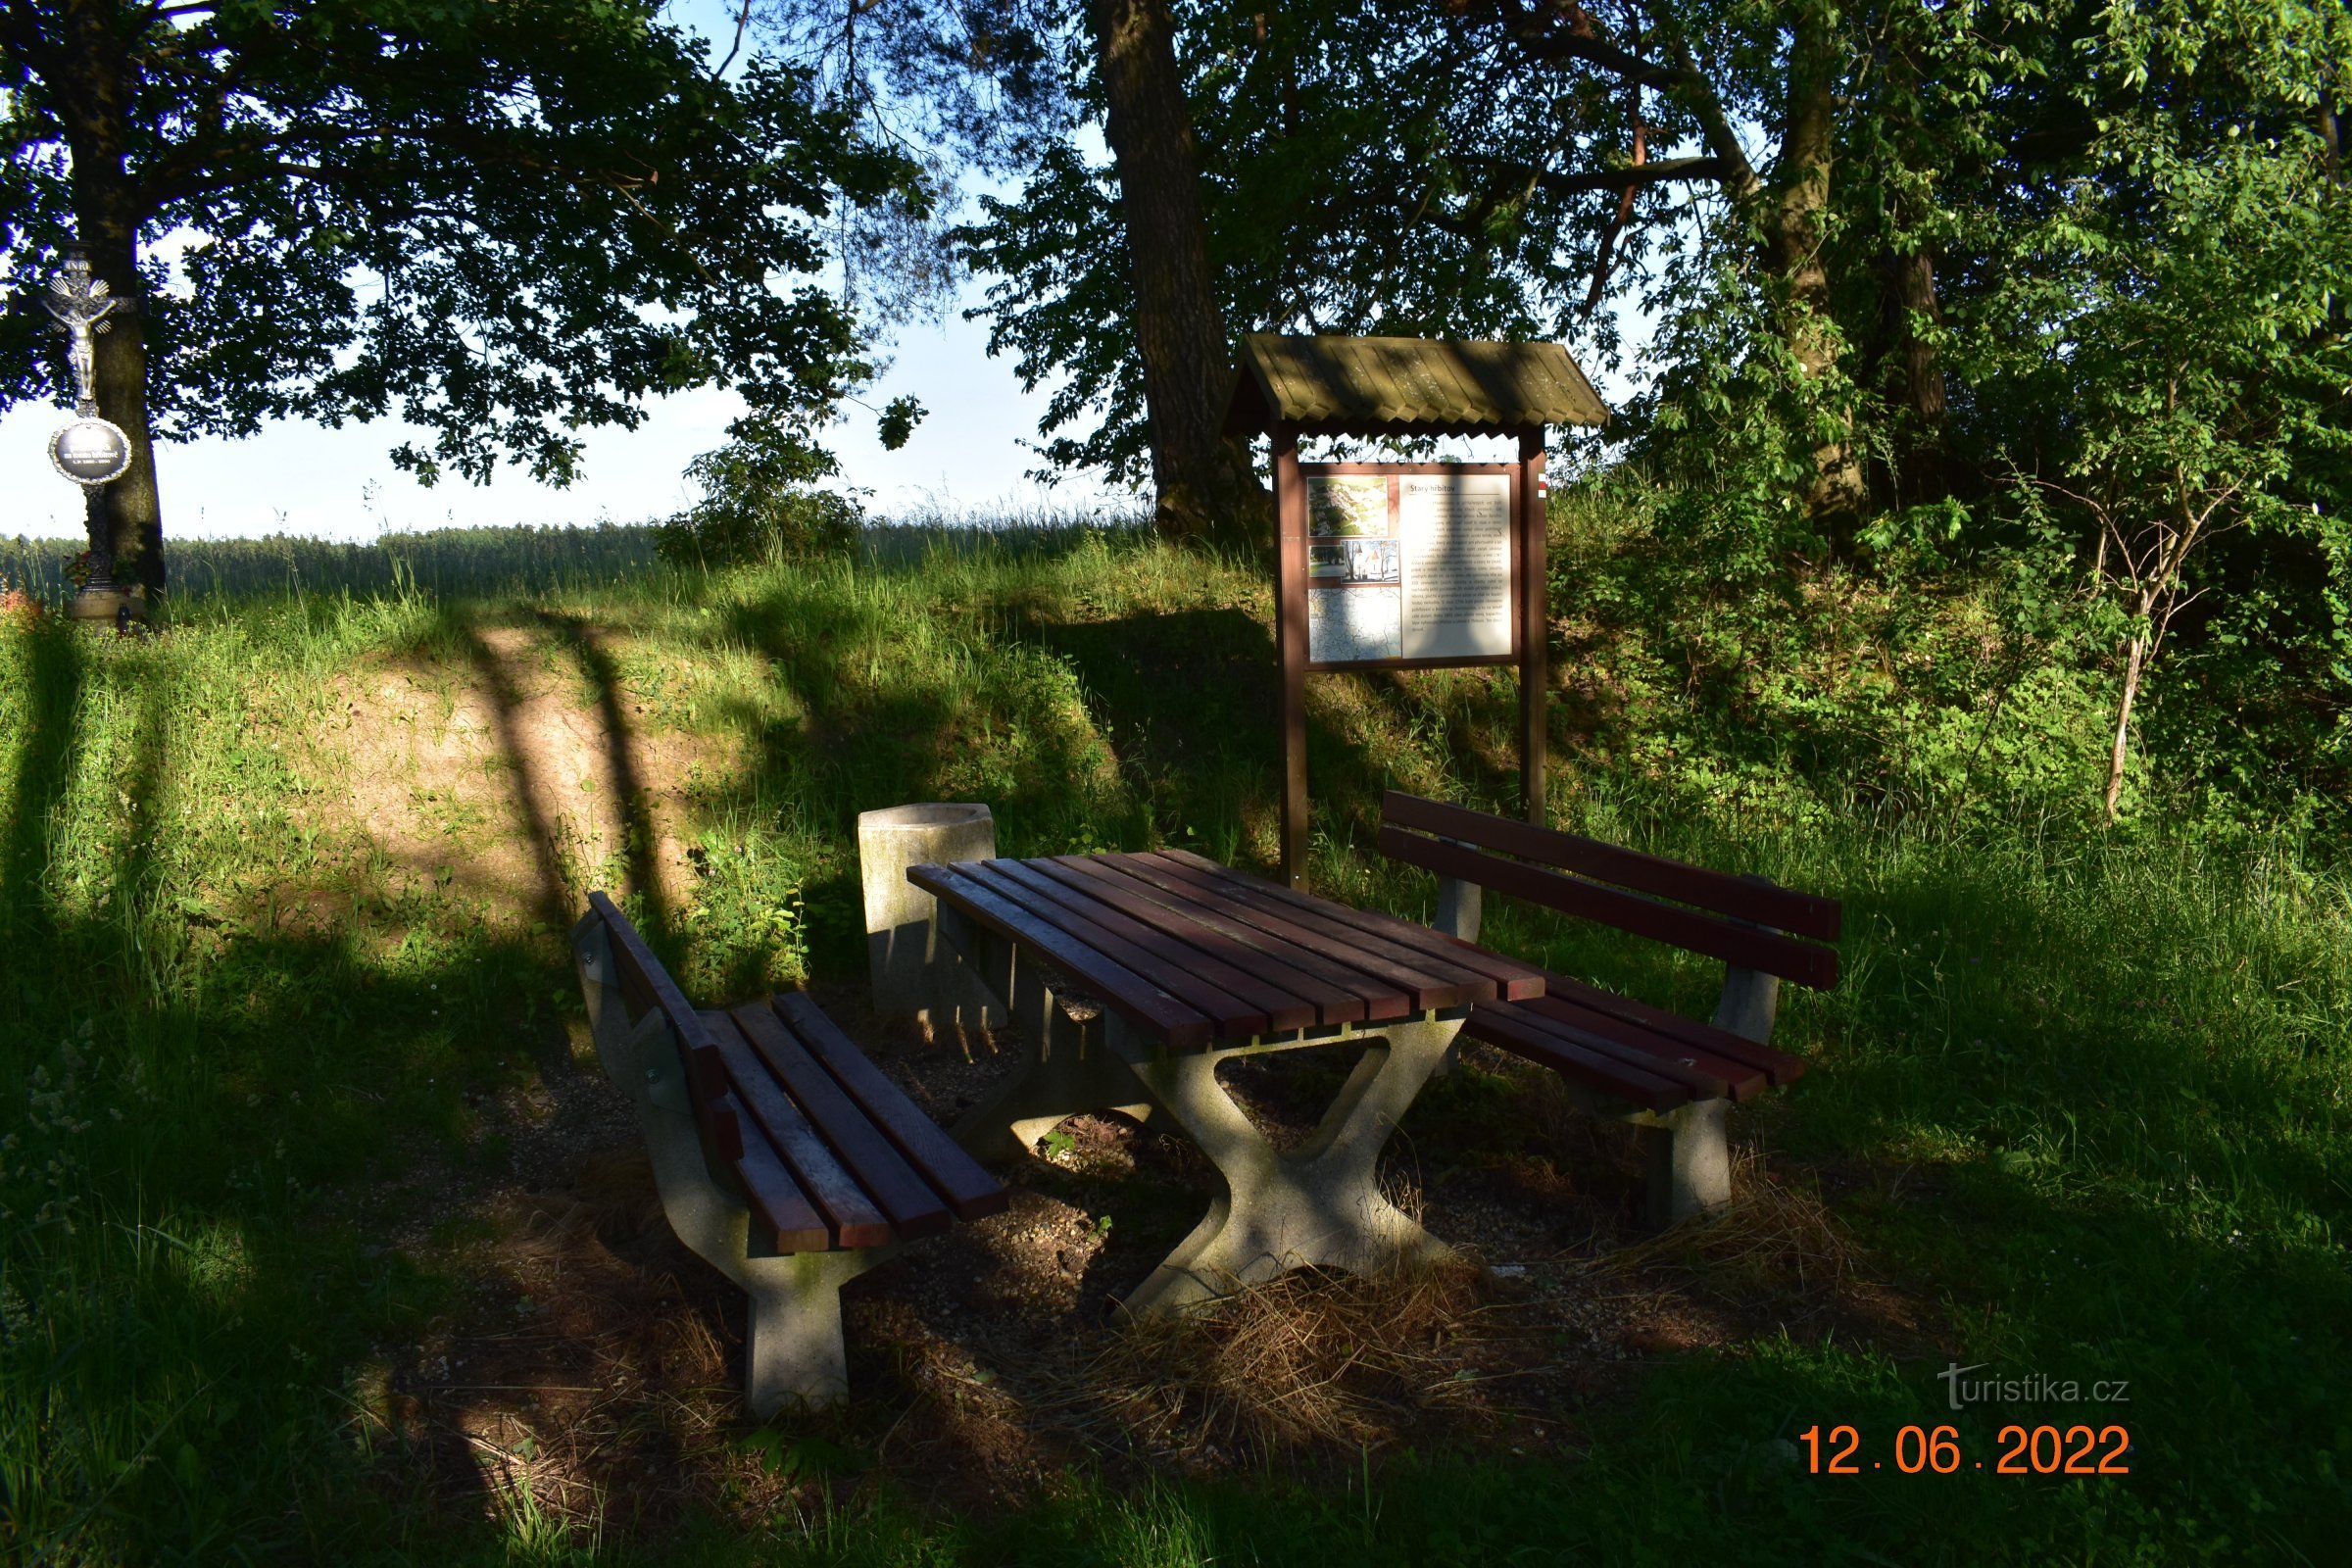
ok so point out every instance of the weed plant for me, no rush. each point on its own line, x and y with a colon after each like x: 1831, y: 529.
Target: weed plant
x: 2082, y: 1095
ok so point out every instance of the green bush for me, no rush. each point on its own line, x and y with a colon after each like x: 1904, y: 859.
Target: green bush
x: 760, y: 503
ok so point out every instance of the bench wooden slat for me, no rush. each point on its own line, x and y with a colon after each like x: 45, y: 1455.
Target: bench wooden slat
x: 1427, y: 983
x: 644, y: 984
x: 1778, y: 1066
x: 1149, y: 958
x: 1513, y: 979
x: 1377, y: 999
x: 906, y: 1199
x: 1327, y: 1003
x: 850, y: 1217
x: 970, y: 1191
x: 1781, y: 908
x: 1632, y: 1042
x: 1281, y: 1008
x: 1565, y: 1056
x: 1694, y: 1081
x: 1163, y: 1016
x: 768, y: 1190
x: 1765, y: 951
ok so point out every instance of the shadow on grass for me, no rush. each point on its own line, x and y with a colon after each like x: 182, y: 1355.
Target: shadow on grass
x: 53, y: 684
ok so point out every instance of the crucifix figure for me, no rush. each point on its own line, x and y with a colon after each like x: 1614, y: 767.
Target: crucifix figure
x: 78, y: 306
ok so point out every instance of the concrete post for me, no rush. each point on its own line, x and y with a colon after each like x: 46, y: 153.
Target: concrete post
x: 912, y: 974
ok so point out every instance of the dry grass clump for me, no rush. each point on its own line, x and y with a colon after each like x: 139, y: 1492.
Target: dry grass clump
x: 1313, y: 1359
x: 1776, y: 1251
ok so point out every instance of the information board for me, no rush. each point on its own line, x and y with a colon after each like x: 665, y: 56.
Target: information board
x: 1409, y: 564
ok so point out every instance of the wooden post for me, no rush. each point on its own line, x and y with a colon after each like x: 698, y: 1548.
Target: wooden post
x: 1290, y: 644
x: 1535, y: 625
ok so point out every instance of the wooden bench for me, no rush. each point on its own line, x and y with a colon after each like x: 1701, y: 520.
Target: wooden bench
x: 1678, y: 1077
x: 784, y: 1157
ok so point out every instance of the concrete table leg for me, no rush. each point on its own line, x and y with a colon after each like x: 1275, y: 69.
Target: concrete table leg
x: 1321, y: 1205
x: 1066, y: 1070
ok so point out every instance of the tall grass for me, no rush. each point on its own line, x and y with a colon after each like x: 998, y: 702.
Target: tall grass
x: 2081, y: 1098
x: 438, y: 562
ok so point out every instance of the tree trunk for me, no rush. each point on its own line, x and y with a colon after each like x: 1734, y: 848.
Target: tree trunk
x: 2135, y: 653
x: 1795, y: 225
x: 1206, y: 483
x: 93, y: 95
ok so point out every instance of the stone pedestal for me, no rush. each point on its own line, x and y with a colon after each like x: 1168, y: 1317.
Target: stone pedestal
x: 912, y: 974
x: 107, y: 606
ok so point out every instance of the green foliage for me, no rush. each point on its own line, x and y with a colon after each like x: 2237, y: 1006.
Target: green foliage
x: 760, y: 503
x: 558, y: 208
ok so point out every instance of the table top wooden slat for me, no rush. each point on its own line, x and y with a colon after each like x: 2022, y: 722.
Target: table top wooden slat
x: 1517, y: 981
x: 1778, y: 1066
x: 1331, y: 1000
x: 1427, y: 983
x: 1174, y: 940
x: 906, y: 1199
x: 1158, y: 1013
x: 969, y: 1190
x: 1268, y: 929
x: 1228, y: 1014
x: 1241, y: 993
x: 1203, y: 908
x: 850, y: 1217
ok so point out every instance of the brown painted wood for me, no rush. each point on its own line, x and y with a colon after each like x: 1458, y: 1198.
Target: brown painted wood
x: 1516, y: 981
x: 1534, y: 620
x: 1290, y: 647
x: 1693, y: 1080
x: 906, y: 1199
x: 1564, y: 1057
x: 1166, y: 940
x: 1781, y: 908
x: 969, y: 1190
x: 705, y: 1077
x: 851, y: 1217
x: 1428, y: 982
x: 1233, y: 1017
x: 1632, y: 912
x: 1778, y: 1066
x: 1325, y: 1001
x: 1723, y: 1077
x: 774, y: 1199
x: 1378, y: 1000
x: 1163, y: 1017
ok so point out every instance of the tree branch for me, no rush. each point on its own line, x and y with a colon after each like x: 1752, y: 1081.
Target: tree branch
x: 1631, y: 177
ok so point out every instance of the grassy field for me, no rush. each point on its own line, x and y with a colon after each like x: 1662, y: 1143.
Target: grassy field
x: 288, y: 1018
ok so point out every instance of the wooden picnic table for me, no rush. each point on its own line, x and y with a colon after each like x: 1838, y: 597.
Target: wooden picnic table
x: 1172, y: 964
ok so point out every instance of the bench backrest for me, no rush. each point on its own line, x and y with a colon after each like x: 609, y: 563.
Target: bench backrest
x: 646, y: 986
x: 1745, y: 921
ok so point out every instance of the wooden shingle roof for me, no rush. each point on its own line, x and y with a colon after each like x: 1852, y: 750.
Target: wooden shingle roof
x: 1405, y: 386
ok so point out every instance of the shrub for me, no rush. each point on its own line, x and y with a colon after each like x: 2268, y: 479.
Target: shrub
x: 760, y: 503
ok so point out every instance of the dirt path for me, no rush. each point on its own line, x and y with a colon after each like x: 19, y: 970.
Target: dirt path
x: 514, y: 777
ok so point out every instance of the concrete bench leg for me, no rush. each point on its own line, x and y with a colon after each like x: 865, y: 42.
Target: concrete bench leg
x: 1690, y: 1159
x: 1321, y: 1205
x: 793, y: 1350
